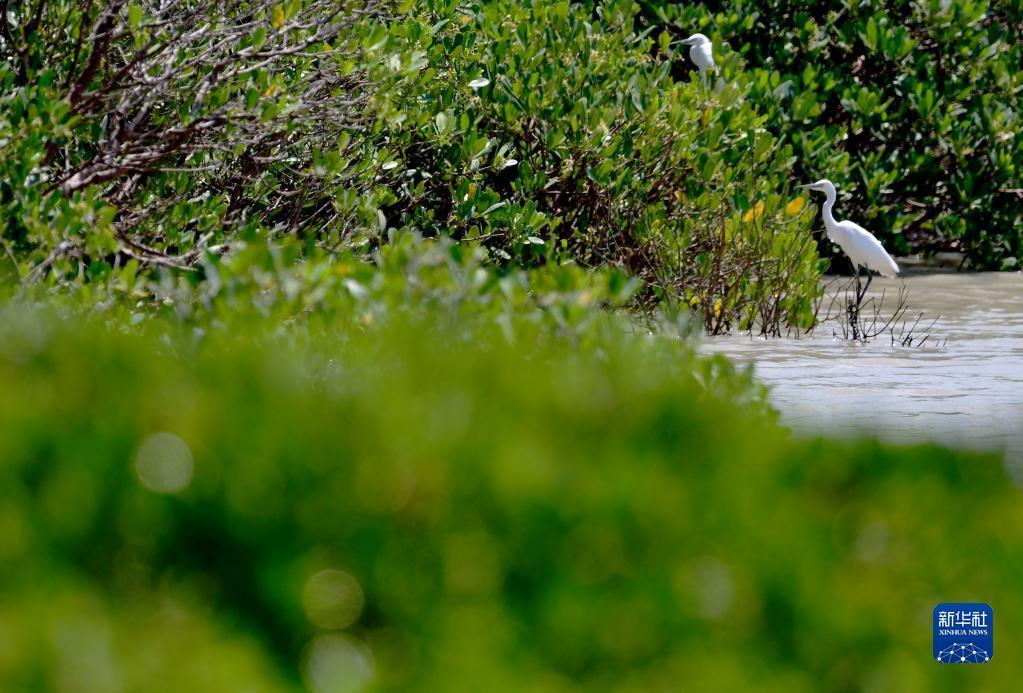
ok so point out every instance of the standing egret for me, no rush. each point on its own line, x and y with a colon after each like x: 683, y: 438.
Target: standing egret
x: 701, y: 53
x: 858, y: 243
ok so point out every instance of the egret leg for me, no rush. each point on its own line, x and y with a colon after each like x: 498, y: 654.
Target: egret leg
x: 854, y: 309
x: 870, y: 278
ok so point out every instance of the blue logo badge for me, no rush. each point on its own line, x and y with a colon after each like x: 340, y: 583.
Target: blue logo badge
x: 964, y: 633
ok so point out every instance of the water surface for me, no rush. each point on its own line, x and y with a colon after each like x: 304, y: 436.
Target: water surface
x: 964, y: 392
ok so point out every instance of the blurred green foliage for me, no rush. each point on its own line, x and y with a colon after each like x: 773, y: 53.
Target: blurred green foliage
x: 428, y: 508
x: 912, y: 107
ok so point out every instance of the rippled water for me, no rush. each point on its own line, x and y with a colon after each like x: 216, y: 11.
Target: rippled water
x: 967, y: 392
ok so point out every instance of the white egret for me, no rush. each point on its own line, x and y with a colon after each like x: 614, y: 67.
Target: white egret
x: 701, y: 53
x: 858, y: 243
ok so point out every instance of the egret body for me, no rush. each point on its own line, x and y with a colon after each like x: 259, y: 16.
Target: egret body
x: 855, y: 241
x: 701, y: 53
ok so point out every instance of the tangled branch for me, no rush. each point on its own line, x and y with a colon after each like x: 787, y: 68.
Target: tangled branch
x: 233, y: 99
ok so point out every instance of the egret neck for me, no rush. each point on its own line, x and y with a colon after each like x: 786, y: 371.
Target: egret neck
x: 829, y: 219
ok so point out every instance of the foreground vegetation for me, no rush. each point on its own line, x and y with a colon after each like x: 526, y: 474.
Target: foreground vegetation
x: 413, y: 510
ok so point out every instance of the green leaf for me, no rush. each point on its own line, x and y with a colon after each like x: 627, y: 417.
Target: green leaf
x: 134, y: 15
x: 443, y: 122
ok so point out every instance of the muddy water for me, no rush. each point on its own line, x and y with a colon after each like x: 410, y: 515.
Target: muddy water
x: 965, y: 392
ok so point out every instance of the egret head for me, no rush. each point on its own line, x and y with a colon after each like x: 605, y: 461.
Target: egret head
x: 823, y: 185
x: 695, y: 40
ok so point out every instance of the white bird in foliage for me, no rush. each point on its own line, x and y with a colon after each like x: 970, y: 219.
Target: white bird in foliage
x: 701, y: 53
x: 859, y: 244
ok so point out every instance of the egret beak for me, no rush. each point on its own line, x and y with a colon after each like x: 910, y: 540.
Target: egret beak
x: 688, y: 42
x: 805, y: 186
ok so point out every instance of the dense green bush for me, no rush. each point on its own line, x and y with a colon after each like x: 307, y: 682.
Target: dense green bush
x: 334, y: 294
x: 556, y: 130
x: 913, y: 107
x: 412, y: 511
x: 142, y: 141
x: 179, y: 132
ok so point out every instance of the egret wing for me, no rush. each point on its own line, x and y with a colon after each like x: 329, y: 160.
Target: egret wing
x: 866, y: 250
